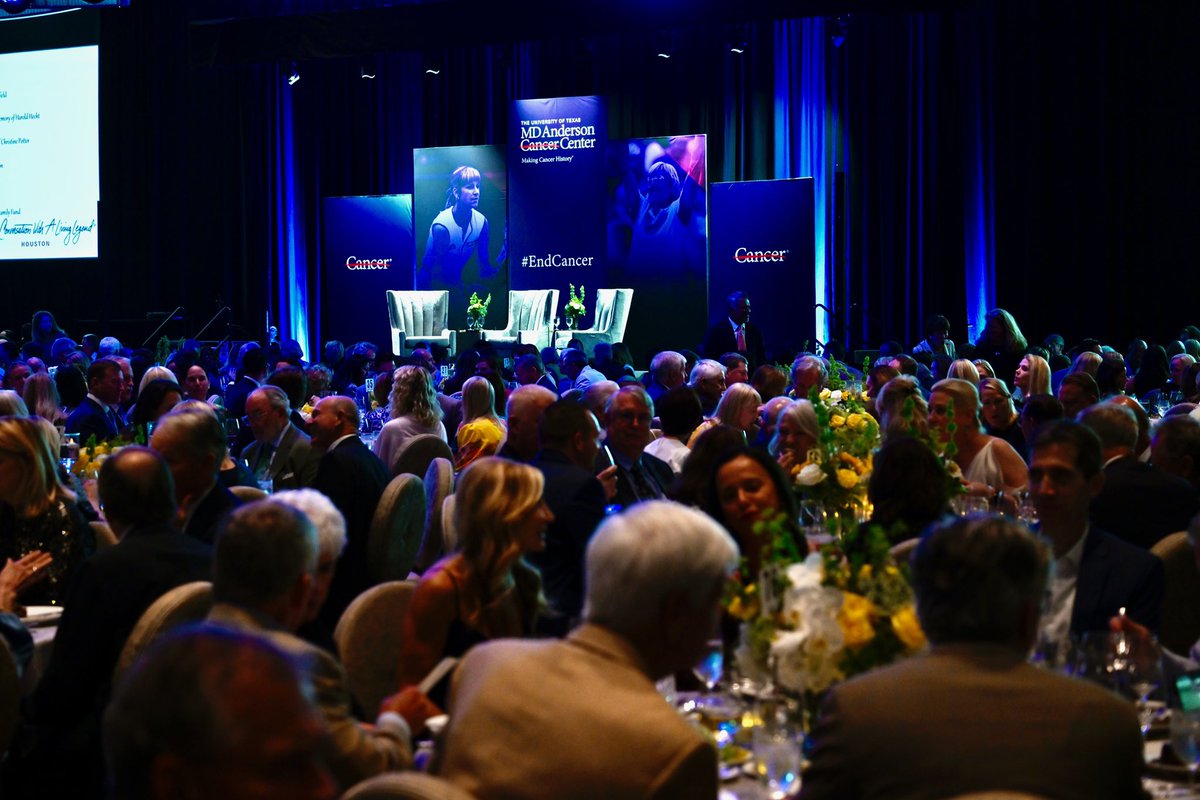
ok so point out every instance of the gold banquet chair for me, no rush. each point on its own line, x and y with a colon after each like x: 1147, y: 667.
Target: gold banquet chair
x: 406, y: 786
x: 368, y: 636
x: 190, y: 602
x: 439, y: 484
x: 1180, y: 626
x: 396, y: 529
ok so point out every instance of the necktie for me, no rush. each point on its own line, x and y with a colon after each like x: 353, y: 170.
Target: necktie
x: 741, y: 338
x: 263, y: 467
x: 643, y: 487
x: 114, y: 425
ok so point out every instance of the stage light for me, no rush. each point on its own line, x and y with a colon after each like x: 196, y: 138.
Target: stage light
x: 738, y: 50
x: 294, y: 78
x: 432, y: 71
x: 664, y: 55
x: 365, y: 75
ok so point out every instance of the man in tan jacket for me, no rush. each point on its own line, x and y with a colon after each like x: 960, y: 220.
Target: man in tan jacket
x: 581, y: 718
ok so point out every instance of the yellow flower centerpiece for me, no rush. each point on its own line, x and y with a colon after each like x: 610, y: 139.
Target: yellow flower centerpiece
x: 837, y: 613
x: 575, y: 308
x: 477, y: 311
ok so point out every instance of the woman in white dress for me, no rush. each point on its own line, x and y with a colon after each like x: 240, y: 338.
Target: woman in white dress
x: 989, y: 464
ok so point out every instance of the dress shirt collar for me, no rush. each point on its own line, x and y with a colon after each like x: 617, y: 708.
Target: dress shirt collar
x: 105, y: 407
x: 1068, y: 565
x: 341, y: 439
x: 736, y: 327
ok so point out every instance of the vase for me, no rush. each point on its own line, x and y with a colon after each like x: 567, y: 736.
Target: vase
x: 474, y: 323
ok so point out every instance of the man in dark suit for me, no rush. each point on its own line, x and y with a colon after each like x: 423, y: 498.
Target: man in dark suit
x: 988, y: 720
x: 107, y: 596
x: 524, y: 410
x: 735, y: 334
x: 254, y: 372
x: 640, y: 476
x: 281, y: 452
x: 354, y: 478
x: 1096, y: 574
x: 1139, y: 503
x: 530, y: 370
x: 193, y: 443
x: 97, y: 414
x: 569, y: 437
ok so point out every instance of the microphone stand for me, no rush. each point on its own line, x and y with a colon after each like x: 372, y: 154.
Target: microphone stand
x: 162, y: 325
x: 211, y: 321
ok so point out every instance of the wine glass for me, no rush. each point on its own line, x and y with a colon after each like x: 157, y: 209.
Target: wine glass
x: 711, y: 666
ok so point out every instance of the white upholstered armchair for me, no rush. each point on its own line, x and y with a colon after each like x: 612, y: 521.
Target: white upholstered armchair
x: 529, y: 314
x: 612, y: 313
x: 419, y: 317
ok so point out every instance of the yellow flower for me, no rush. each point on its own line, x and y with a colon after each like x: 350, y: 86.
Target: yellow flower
x: 854, y: 619
x: 101, y: 450
x: 908, y: 628
x: 825, y: 394
x: 837, y: 421
x: 864, y: 573
x: 847, y: 478
x: 743, y: 609
x: 856, y: 421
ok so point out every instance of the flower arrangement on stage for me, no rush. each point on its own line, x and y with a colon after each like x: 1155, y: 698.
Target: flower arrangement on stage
x: 477, y: 311
x: 837, y: 613
x: 836, y: 470
x: 575, y: 309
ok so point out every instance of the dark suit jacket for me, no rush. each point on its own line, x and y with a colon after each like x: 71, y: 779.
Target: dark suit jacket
x: 720, y: 340
x: 107, y: 596
x: 1141, y: 504
x: 236, y: 394
x: 89, y: 419
x: 295, y: 462
x: 576, y: 499
x: 657, y: 471
x: 209, y: 515
x: 1112, y: 574
x: 353, y: 478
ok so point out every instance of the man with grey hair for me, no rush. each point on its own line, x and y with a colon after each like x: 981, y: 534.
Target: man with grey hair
x: 263, y: 572
x: 281, y: 453
x: 581, y: 717
x: 110, y: 346
x: 1175, y: 448
x: 251, y: 729
x: 331, y: 541
x: 808, y: 372
x: 193, y: 444
x: 1139, y: 502
x: 353, y: 478
x: 708, y: 382
x: 578, y: 371
x: 666, y: 373
x: 989, y: 721
x: 639, y: 475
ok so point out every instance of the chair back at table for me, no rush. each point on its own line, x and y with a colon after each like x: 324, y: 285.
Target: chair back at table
x: 439, y: 484
x: 449, y: 528
x: 105, y: 538
x: 190, y: 602
x: 248, y: 494
x: 1180, y: 627
x: 368, y: 637
x: 10, y: 696
x: 998, y: 796
x: 406, y: 786
x: 396, y: 529
x: 418, y: 453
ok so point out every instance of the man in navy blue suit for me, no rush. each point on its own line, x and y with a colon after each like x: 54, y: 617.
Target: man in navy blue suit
x: 735, y: 334
x: 1096, y: 574
x: 97, y: 414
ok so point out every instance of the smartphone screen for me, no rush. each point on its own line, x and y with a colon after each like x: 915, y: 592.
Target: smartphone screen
x: 1189, y: 691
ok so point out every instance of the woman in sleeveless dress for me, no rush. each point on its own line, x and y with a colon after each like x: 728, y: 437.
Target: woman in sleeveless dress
x: 989, y: 464
x: 485, y: 590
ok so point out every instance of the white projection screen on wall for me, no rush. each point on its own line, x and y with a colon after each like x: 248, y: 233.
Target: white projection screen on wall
x: 49, y: 140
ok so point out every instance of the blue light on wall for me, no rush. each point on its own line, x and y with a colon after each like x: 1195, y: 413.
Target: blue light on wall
x: 292, y: 253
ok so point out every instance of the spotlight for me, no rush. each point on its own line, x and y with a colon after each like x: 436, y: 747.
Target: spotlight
x: 294, y: 78
x: 664, y: 55
x: 432, y: 71
x: 736, y: 49
x: 365, y: 74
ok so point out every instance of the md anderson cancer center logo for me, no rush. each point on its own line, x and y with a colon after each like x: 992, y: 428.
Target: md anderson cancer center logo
x: 355, y: 263
x: 744, y: 255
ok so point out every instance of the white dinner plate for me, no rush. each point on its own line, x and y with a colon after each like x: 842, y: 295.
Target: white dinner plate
x: 41, y: 615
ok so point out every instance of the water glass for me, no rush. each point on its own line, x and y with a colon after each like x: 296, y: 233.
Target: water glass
x: 1185, y: 740
x: 777, y: 749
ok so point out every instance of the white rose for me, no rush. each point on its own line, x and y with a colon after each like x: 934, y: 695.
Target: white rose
x: 810, y: 475
x: 836, y: 396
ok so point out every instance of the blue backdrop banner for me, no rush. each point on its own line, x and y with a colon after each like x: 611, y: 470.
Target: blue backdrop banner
x: 461, y: 198
x: 368, y: 249
x: 557, y: 148
x: 761, y: 242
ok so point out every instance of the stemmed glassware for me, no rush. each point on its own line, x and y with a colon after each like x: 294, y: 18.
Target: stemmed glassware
x: 711, y: 666
x: 1185, y: 741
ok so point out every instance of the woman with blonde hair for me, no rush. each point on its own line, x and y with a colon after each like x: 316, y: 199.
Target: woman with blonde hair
x: 415, y: 411
x: 990, y: 465
x: 41, y: 398
x: 1032, y: 377
x: 796, y: 432
x: 902, y: 409
x: 963, y: 369
x: 738, y: 408
x: 37, y: 512
x: 485, y: 590
x: 481, y: 430
x: 11, y: 404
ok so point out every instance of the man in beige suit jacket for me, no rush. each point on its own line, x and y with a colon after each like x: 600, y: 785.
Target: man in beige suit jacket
x: 972, y: 715
x: 581, y: 718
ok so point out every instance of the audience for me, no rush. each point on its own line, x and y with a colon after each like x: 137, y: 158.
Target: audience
x: 989, y: 464
x: 747, y: 487
x: 281, y: 453
x: 415, y: 411
x: 639, y: 475
x: 582, y: 717
x: 680, y: 418
x: 482, y: 430
x: 96, y: 414
x: 193, y: 444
